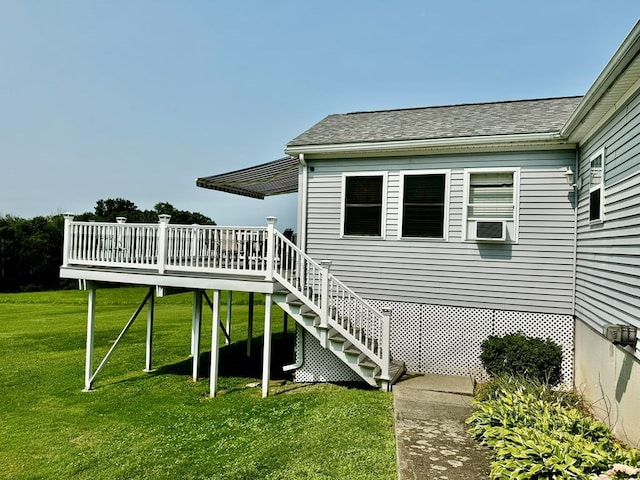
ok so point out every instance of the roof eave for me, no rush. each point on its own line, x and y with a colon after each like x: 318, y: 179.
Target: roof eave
x: 545, y: 140
x: 620, y: 60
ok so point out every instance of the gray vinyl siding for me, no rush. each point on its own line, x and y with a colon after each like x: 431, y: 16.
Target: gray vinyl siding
x: 608, y: 253
x: 534, y: 275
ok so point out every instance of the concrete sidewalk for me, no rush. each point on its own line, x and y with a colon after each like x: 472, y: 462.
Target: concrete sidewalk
x: 431, y: 436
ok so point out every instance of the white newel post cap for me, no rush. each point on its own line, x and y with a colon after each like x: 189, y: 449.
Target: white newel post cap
x: 272, y: 220
x: 121, y: 219
x: 164, y: 218
x: 326, y: 264
x: 68, y: 216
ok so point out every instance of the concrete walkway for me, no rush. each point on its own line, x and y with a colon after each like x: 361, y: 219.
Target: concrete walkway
x: 431, y: 436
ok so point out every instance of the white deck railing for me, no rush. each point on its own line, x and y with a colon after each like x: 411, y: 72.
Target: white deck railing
x: 261, y: 251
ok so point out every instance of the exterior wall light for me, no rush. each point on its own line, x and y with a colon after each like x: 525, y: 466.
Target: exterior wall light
x: 569, y: 175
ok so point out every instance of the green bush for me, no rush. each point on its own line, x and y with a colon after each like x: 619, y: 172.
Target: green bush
x: 520, y: 355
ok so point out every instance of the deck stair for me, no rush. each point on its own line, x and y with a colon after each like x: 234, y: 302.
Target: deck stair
x: 340, y: 320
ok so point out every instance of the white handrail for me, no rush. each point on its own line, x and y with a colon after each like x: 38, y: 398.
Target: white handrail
x: 346, y: 312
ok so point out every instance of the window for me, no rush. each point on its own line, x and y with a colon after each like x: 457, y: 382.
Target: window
x: 596, y: 187
x: 491, y: 203
x: 363, y: 204
x: 424, y: 204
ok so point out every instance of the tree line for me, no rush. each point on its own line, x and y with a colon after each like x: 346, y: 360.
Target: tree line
x: 31, y: 249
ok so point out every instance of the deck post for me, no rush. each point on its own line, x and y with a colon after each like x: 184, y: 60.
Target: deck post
x: 250, y: 325
x: 196, y: 323
x: 271, y: 246
x: 91, y: 317
x: 215, y: 332
x: 150, y: 312
x: 386, y: 347
x: 66, y: 242
x: 324, y: 305
x: 163, y: 220
x: 228, y: 325
x: 266, y: 358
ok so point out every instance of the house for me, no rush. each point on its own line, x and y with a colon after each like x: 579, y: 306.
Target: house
x: 471, y: 220
x: 421, y: 232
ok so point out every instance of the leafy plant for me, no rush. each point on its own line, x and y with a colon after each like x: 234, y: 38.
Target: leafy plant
x: 537, y: 432
x: 520, y: 355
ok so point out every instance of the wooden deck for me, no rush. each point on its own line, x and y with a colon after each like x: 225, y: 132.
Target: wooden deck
x: 197, y: 258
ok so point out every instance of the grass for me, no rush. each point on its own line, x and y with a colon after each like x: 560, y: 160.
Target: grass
x: 162, y: 424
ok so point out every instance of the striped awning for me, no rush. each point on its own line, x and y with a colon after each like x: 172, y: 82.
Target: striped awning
x: 273, y: 178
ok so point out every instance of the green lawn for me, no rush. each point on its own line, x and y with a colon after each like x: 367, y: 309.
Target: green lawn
x: 162, y: 424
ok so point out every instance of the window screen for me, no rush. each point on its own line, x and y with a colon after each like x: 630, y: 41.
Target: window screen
x: 423, y: 206
x: 363, y: 205
x: 491, y: 195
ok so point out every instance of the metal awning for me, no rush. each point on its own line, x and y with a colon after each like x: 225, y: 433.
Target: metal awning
x: 273, y: 178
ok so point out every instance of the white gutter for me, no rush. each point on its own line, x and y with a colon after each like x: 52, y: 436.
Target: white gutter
x: 625, y: 53
x: 489, y: 141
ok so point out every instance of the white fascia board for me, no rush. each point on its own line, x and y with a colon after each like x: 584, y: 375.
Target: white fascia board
x: 621, y: 58
x: 437, y: 145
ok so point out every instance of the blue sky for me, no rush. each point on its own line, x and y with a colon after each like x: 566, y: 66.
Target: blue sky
x: 137, y: 98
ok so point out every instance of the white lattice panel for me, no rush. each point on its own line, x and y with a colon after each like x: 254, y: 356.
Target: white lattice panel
x: 406, y: 335
x: 321, y: 365
x: 446, y: 340
x: 452, y: 339
x: 558, y: 328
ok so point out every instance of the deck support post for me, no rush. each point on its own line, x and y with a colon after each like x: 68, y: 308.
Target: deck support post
x: 215, y: 333
x: 250, y: 325
x: 386, y: 349
x: 150, y: 313
x: 91, y: 317
x: 228, y: 325
x: 266, y: 359
x: 196, y: 324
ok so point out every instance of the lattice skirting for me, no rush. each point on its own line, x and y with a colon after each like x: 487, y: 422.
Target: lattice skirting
x: 444, y: 340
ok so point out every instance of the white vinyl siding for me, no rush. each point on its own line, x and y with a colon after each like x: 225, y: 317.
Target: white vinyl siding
x: 536, y: 274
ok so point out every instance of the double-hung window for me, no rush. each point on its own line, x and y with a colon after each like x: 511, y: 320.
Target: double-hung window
x: 596, y: 186
x: 425, y: 198
x: 491, y: 204
x: 363, y: 204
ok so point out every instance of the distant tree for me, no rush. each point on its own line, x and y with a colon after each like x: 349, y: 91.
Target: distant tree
x: 109, y: 209
x: 31, y: 249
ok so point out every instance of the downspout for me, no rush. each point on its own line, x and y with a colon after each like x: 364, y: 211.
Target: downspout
x: 299, y: 351
x: 576, y: 196
x: 302, y: 242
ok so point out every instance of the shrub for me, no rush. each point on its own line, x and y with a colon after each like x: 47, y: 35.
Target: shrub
x: 520, y: 355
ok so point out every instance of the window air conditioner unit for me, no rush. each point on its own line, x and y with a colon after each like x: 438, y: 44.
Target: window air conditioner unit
x: 491, y: 230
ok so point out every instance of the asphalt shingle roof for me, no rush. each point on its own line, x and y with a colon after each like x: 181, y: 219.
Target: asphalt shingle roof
x: 546, y: 115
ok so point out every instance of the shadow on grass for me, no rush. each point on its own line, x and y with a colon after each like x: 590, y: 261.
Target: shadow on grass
x: 233, y: 360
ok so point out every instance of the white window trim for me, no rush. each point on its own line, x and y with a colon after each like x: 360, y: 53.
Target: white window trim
x: 447, y: 190
x: 516, y: 199
x: 600, y: 186
x: 343, y: 191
